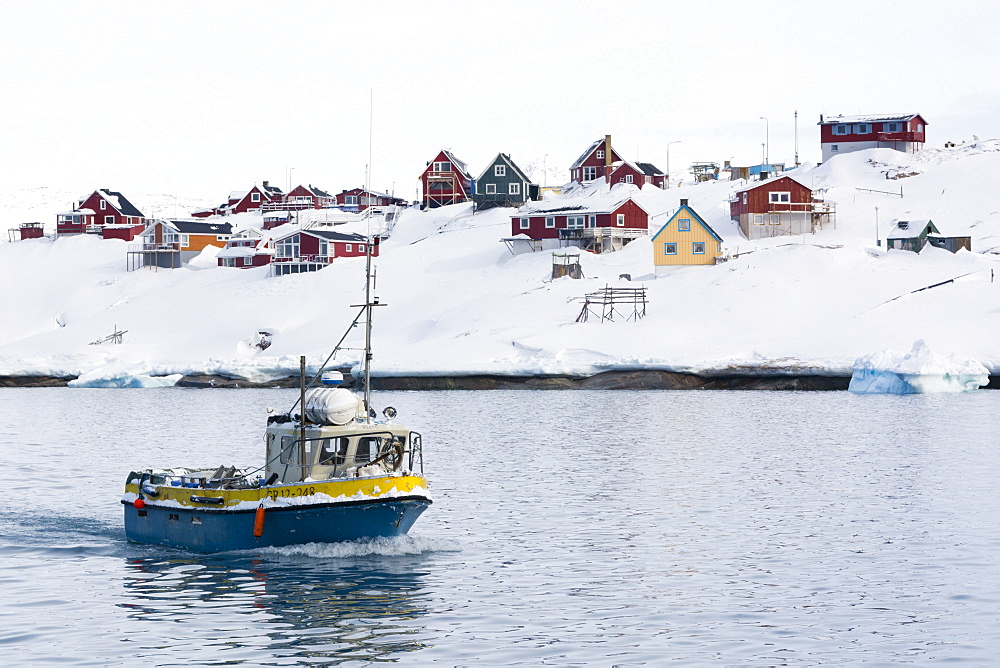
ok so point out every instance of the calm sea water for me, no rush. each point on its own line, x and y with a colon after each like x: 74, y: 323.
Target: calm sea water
x: 606, y: 528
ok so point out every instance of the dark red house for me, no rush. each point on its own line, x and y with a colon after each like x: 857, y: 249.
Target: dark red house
x: 596, y: 162
x: 446, y: 180
x: 102, y: 209
x: 599, y: 229
x: 308, y: 197
x: 241, y: 201
x: 845, y: 134
x: 359, y: 199
x: 302, y: 251
x: 246, y: 250
x: 639, y: 174
x: 777, y: 207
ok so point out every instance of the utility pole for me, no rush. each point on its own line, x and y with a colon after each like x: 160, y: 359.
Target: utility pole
x: 767, y: 140
x: 797, y: 139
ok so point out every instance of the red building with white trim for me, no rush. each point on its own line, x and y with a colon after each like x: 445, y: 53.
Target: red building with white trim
x: 598, y: 229
x: 446, y: 180
x: 845, y: 134
x: 359, y: 199
x: 302, y: 251
x: 778, y: 207
x: 596, y: 162
x: 103, y: 212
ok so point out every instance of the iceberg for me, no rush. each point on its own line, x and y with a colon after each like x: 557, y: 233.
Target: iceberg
x: 916, y: 372
x: 119, y: 378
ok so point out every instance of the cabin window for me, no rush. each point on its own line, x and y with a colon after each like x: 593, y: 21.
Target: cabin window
x: 550, y: 222
x: 862, y: 128
x: 780, y: 197
x: 744, y: 198
x: 698, y: 247
x: 109, y: 220
x: 442, y: 166
x: 143, y: 513
x: 593, y: 221
x: 371, y: 200
x: 514, y: 189
x: 600, y: 154
x: 333, y: 451
x: 589, y: 173
x: 525, y: 223
x: 892, y: 127
x: 288, y: 248
x: 254, y: 197
x: 247, y: 261
x: 173, y: 517
x: 628, y: 178
x: 324, y: 248
x: 758, y: 219
x: 670, y: 249
x: 499, y: 170
x: 104, y: 205
x: 368, y: 447
x: 920, y: 128
x: 620, y: 220
x: 841, y: 129
x: 350, y: 200
x: 348, y: 248
x: 834, y: 148
x: 195, y: 520
x: 683, y: 224
x: 491, y: 189
x: 285, y: 457
x: 574, y: 222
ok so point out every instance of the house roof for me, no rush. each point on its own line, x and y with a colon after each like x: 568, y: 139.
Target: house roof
x: 318, y: 192
x: 579, y: 161
x: 270, y: 190
x: 694, y: 214
x: 908, y: 229
x: 868, y: 118
x: 649, y: 169
x: 329, y: 235
x: 505, y: 159
x: 460, y: 166
x: 367, y: 191
x: 117, y: 200
x: 605, y: 206
x: 193, y: 227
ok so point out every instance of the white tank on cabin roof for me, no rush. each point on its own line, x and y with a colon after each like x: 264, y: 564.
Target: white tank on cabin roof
x: 332, y: 405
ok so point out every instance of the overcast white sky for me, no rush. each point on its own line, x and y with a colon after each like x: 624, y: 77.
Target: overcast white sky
x: 198, y: 98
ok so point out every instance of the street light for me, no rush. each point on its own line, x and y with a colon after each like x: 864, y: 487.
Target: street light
x: 767, y: 139
x: 676, y: 141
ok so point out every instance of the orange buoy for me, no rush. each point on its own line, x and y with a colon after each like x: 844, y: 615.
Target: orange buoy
x: 258, y: 521
x: 139, y: 504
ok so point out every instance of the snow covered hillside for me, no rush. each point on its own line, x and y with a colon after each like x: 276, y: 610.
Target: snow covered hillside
x: 460, y: 303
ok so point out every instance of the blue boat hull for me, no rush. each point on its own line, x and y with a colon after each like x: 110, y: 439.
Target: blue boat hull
x: 219, y: 530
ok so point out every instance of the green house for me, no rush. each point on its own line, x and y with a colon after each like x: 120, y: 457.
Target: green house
x: 910, y: 235
x: 503, y: 184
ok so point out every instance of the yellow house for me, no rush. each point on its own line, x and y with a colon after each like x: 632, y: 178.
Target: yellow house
x: 685, y: 239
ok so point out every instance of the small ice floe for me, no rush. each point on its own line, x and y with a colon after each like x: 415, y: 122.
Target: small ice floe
x: 916, y: 372
x: 117, y: 377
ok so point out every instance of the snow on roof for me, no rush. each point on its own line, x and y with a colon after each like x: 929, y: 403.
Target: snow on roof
x: 236, y: 251
x: 238, y: 194
x: 770, y: 181
x: 649, y: 168
x: 579, y: 161
x: 193, y: 227
x: 118, y: 201
x: 907, y: 229
x: 867, y: 118
x: 87, y: 212
x: 588, y: 205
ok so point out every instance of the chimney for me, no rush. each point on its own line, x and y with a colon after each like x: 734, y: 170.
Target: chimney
x: 684, y: 202
x: 607, y: 157
x: 821, y: 119
x: 265, y: 183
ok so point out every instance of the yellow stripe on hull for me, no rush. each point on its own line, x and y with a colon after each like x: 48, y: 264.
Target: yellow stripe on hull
x: 351, y: 488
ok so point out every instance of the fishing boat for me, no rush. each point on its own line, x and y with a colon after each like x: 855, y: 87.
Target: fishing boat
x: 334, y: 471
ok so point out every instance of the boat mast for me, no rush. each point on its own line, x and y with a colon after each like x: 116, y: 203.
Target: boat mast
x: 368, y: 329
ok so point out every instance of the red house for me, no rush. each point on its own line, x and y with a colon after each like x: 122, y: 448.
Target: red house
x: 301, y: 251
x: 777, y: 207
x: 359, y: 199
x: 307, y: 197
x: 845, y: 134
x: 596, y: 162
x: 241, y: 201
x: 598, y: 229
x: 246, y: 250
x: 445, y: 181
x: 104, y: 212
x: 640, y: 174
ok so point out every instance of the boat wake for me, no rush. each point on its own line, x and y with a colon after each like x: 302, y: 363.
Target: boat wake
x: 383, y: 547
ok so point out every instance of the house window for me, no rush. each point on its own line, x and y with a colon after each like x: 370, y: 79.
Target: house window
x: 600, y: 154
x: 593, y: 221
x: 369, y: 200
x: 525, y: 223
x: 744, y: 198
x: 862, y: 128
x: 104, y: 205
x: 841, y: 129
x: 254, y: 197
x: 550, y: 222
x: 574, y: 222
x: 514, y: 189
x: 920, y: 128
x: 324, y: 248
x: 892, y: 127
x: 350, y: 200
x: 442, y: 166
x: 698, y: 247
x: 670, y: 249
x: 620, y: 220
x: 185, y: 241
x: 247, y: 261
x: 348, y: 248
x: 491, y: 189
x: 775, y: 219
x: 780, y: 197
x: 109, y: 220
x: 589, y: 173
x: 288, y: 248
x: 683, y: 224
x: 499, y: 170
x: 758, y: 219
x: 628, y: 178
x: 834, y: 148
